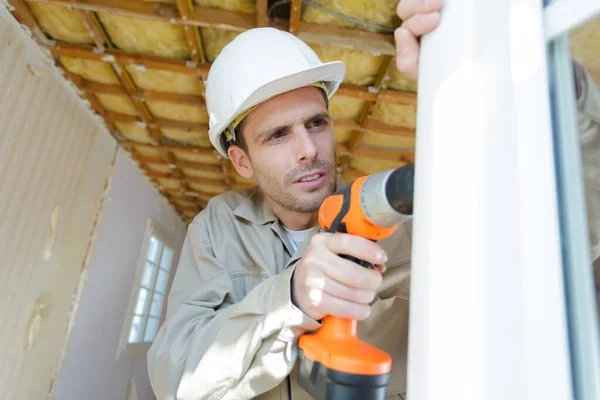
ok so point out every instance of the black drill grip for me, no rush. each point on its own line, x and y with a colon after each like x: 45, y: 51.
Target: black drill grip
x: 360, y: 262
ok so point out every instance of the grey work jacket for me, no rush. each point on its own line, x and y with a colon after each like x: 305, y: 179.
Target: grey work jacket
x: 231, y: 329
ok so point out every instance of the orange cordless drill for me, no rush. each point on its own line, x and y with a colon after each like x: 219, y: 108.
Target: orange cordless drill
x: 334, y: 364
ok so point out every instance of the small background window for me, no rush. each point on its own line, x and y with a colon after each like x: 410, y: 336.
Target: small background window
x: 149, y: 291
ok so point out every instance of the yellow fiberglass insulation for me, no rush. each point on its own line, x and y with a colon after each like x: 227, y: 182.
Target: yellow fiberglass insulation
x: 380, y: 12
x: 93, y: 70
x: 342, y: 107
x: 147, y: 151
x: 177, y: 112
x: 396, y: 114
x: 362, y: 68
x: 196, y: 157
x: 144, y: 36
x: 202, y: 173
x: 133, y: 131
x: 214, y: 40
x: 61, y: 23
x: 399, y: 81
x: 117, y: 103
x: 247, y: 6
x: 165, y: 81
x: 165, y: 169
x: 373, y: 165
x: 168, y: 183
x: 207, y: 188
x: 189, y: 137
x: 392, y: 141
x: 342, y: 135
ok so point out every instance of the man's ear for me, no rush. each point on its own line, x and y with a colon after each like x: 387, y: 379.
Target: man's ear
x: 241, y: 161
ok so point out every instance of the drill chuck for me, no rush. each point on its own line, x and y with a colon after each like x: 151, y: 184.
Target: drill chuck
x: 386, y: 198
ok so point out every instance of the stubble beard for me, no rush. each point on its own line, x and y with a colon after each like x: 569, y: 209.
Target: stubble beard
x: 282, y: 192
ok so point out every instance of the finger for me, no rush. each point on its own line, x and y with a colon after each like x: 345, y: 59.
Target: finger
x: 356, y: 246
x: 408, y: 8
x: 381, y: 268
x: 349, y: 273
x: 407, y: 53
x: 420, y: 24
x: 341, y: 291
x: 343, y: 308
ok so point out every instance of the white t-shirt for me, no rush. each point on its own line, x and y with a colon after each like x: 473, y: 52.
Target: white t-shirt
x: 296, y: 237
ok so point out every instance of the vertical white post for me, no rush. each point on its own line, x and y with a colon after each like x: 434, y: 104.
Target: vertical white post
x: 487, y: 298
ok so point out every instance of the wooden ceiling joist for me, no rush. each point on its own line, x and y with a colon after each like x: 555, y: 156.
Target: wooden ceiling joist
x: 382, y: 43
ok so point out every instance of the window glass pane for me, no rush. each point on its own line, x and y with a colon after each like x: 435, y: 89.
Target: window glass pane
x: 142, y: 300
x: 151, y: 329
x: 574, y: 64
x: 167, y: 258
x: 161, y: 281
x: 156, y: 305
x: 153, y: 249
x: 136, y: 330
x: 148, y: 275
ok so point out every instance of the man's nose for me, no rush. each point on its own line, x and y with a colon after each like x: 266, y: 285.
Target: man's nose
x: 306, y: 148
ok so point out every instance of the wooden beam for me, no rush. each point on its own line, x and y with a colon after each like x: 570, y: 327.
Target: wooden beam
x: 381, y: 82
x: 180, y: 66
x: 295, y: 14
x: 186, y: 126
x: 382, y: 43
x: 398, y: 97
x: 192, y: 35
x: 91, y: 23
x: 360, y: 92
x: 112, y: 55
x: 262, y: 18
x: 177, y: 147
x: 238, y: 21
x: 21, y: 9
x: 141, y: 94
x: 191, y: 179
x: 380, y: 127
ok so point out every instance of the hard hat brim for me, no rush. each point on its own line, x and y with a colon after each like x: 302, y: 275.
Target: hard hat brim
x: 331, y: 73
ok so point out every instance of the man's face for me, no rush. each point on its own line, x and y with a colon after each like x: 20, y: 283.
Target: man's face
x: 291, y: 149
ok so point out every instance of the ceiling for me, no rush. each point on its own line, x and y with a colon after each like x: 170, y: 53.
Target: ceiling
x: 141, y: 66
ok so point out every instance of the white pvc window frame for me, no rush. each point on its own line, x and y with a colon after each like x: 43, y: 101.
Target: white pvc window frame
x: 488, y: 312
x: 125, y: 347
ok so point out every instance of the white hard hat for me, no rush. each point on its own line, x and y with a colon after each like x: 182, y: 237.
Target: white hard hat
x: 259, y: 64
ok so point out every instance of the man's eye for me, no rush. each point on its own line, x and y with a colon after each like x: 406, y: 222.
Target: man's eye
x: 277, y: 135
x: 318, y: 123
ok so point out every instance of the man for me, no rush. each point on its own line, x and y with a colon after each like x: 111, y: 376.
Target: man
x: 254, y: 272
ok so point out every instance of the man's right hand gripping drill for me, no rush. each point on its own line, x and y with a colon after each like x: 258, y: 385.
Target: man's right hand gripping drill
x: 326, y: 284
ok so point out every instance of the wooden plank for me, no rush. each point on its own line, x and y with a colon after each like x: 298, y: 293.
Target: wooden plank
x: 89, y: 20
x: 112, y: 55
x: 140, y: 94
x: 262, y: 18
x: 187, y: 126
x: 119, y: 117
x: 191, y: 32
x: 345, y: 123
x: 384, y: 154
x: 381, y: 43
x: 295, y: 13
x: 380, y: 127
x: 196, y: 165
x: 177, y: 147
x: 193, y: 179
x: 221, y: 19
x: 24, y: 13
x: 398, y: 97
x: 190, y: 99
x: 180, y: 66
x: 359, y: 92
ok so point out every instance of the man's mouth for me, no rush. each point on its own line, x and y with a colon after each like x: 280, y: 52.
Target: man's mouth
x: 314, y: 177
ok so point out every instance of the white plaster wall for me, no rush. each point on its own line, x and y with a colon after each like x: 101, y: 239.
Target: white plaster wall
x: 91, y: 370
